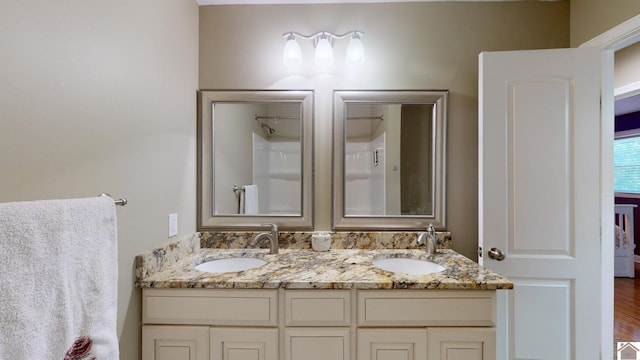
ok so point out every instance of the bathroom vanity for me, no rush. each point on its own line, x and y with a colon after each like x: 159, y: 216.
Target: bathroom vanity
x: 317, y: 324
x: 317, y: 305
x: 306, y: 305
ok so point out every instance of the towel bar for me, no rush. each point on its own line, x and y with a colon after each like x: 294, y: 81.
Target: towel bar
x: 119, y: 202
x: 238, y: 190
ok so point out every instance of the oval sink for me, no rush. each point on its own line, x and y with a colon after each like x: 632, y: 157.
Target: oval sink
x: 230, y: 265
x: 408, y: 266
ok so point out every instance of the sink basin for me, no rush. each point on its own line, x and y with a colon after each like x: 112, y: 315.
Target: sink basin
x: 408, y: 266
x: 230, y: 265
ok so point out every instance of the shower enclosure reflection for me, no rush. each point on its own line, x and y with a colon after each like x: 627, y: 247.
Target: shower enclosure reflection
x: 388, y: 159
x: 255, y: 159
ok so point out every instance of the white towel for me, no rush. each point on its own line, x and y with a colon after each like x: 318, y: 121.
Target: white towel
x: 250, y: 199
x: 58, y: 279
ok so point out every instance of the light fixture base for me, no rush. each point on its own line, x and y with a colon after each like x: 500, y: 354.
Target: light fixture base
x: 323, y: 44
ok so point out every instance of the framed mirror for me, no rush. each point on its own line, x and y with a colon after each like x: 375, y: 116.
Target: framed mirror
x: 255, y: 159
x: 389, y: 159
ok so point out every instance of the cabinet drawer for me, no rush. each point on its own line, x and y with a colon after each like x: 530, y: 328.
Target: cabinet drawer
x: 317, y: 308
x: 426, y: 308
x: 210, y: 307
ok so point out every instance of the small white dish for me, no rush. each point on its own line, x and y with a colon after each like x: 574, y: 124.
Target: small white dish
x: 321, y: 242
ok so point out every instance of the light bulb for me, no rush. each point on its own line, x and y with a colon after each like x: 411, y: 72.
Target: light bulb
x: 324, y: 52
x: 292, y: 54
x: 355, y: 50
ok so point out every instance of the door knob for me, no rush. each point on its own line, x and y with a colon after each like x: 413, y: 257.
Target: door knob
x: 496, y: 254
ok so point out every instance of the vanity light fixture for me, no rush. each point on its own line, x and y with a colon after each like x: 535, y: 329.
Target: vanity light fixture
x: 292, y: 54
x: 323, y: 42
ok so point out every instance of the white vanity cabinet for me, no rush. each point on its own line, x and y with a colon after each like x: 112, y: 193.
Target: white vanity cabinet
x: 317, y: 324
x: 270, y: 324
x: 433, y: 325
x: 204, y: 324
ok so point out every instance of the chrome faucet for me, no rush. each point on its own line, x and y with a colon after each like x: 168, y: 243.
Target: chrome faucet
x: 272, y: 236
x: 432, y: 244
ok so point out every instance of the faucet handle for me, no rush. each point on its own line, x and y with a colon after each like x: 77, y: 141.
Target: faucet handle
x: 432, y: 233
x: 270, y: 225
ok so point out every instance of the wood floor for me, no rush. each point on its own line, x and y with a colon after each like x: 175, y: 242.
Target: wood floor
x: 626, y: 309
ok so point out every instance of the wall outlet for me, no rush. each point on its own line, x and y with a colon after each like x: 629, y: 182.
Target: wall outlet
x: 173, y: 224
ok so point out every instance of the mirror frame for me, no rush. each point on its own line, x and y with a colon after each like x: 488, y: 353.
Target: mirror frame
x: 439, y: 98
x: 206, y: 219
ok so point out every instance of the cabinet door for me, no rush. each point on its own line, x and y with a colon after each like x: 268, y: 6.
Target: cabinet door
x: 392, y: 344
x: 244, y: 344
x: 175, y: 342
x: 462, y: 343
x: 317, y: 344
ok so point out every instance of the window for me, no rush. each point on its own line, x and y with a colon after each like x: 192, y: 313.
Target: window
x: 626, y: 162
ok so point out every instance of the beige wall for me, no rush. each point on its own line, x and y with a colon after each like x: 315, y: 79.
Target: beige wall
x: 627, y: 70
x: 590, y: 18
x: 99, y: 96
x: 409, y: 46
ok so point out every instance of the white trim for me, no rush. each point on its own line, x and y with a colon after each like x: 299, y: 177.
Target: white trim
x: 619, y: 37
x: 626, y: 91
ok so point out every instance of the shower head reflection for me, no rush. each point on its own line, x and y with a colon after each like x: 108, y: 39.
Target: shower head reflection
x: 268, y: 129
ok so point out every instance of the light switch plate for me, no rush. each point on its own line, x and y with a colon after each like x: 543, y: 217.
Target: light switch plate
x: 173, y: 224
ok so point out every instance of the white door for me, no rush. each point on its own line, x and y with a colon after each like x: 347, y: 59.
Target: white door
x: 540, y: 199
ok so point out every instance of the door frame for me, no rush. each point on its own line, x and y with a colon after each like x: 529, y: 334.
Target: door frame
x: 612, y: 40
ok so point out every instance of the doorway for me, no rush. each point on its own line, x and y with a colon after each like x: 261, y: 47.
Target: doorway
x: 626, y: 284
x: 615, y: 39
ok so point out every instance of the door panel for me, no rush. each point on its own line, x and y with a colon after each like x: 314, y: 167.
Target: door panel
x: 446, y: 343
x: 539, y: 198
x: 317, y: 344
x: 532, y: 179
x: 548, y: 312
x: 175, y: 342
x: 392, y: 344
x: 244, y: 344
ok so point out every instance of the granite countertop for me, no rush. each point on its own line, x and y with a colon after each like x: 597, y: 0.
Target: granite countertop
x: 308, y: 269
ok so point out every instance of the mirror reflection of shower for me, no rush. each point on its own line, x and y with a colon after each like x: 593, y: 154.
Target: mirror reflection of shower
x: 364, y: 168
x: 388, y: 157
x: 277, y: 175
x: 275, y: 120
x: 276, y: 164
x: 257, y: 143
